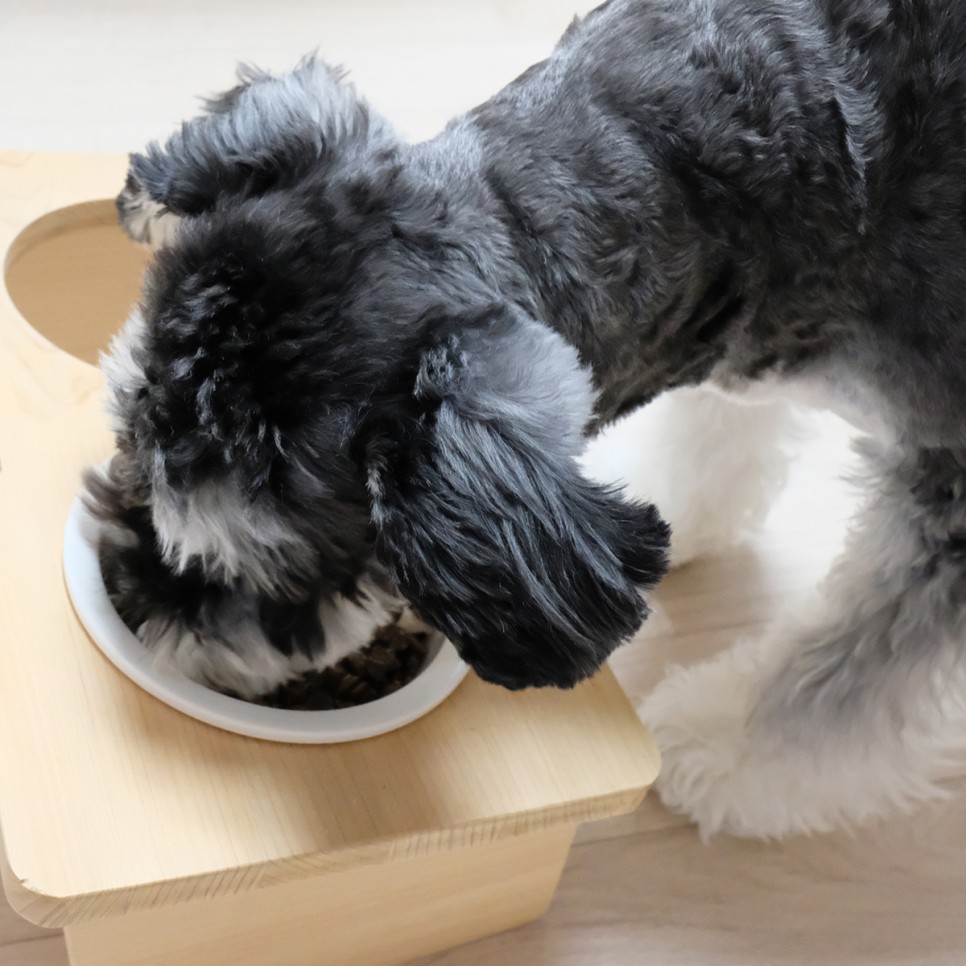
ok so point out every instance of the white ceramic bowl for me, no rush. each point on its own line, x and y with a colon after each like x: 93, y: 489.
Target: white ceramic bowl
x: 85, y: 584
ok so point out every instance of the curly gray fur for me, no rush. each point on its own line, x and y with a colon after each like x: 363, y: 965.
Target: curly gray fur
x: 686, y: 190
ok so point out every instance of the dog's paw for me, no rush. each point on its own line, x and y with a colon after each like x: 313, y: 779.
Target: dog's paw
x: 698, y: 719
x: 721, y: 768
x: 797, y: 768
x: 144, y: 220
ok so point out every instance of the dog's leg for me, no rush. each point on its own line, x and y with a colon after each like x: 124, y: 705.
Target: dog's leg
x: 854, y: 711
x: 711, y: 464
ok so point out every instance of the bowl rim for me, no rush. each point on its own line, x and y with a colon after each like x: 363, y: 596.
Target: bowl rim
x: 88, y: 595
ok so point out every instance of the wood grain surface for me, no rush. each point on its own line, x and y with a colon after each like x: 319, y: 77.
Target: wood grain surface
x: 372, y: 915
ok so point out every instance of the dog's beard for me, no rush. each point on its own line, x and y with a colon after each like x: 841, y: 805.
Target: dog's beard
x: 233, y: 651
x: 219, y: 629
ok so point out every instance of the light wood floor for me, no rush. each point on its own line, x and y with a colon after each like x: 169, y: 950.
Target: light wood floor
x: 110, y: 74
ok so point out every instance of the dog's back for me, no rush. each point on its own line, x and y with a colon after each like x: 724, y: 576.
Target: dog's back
x: 911, y: 343
x: 749, y: 190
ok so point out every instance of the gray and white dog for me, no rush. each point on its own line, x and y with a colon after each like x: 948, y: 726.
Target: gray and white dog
x: 363, y: 371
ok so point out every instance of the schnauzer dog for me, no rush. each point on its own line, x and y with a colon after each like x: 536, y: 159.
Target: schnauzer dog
x: 363, y: 371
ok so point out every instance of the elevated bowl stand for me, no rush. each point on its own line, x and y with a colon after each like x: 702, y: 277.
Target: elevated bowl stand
x: 155, y: 839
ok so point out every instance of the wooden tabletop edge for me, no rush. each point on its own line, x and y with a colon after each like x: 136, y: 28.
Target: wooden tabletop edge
x: 37, y: 904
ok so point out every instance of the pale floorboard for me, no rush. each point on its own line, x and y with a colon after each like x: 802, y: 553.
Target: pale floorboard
x: 108, y: 75
x: 43, y: 951
x: 24, y: 944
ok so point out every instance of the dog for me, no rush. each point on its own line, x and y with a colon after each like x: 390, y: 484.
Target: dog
x: 363, y: 371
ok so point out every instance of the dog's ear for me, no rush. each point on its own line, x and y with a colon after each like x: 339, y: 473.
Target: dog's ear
x: 485, y: 522
x: 264, y: 133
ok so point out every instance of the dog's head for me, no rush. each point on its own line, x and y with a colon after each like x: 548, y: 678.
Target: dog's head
x: 316, y: 390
